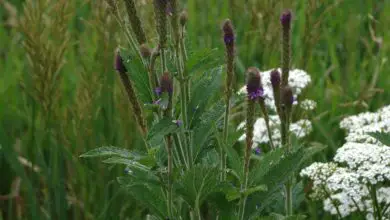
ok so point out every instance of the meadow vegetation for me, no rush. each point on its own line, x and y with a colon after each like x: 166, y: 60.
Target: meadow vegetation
x: 63, y: 93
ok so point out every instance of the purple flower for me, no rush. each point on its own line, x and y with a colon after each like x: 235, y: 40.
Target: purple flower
x: 275, y: 78
x: 157, y: 91
x: 228, y: 32
x: 258, y: 151
x: 157, y: 102
x: 178, y: 122
x: 253, y: 85
x: 166, y: 84
x: 285, y: 19
x: 259, y: 93
x: 287, y: 97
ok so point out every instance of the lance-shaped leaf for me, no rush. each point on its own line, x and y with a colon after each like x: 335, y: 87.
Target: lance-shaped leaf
x: 111, y: 151
x: 203, y: 92
x: 162, y: 128
x: 203, y: 60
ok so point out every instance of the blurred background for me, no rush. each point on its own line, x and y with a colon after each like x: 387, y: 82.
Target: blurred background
x: 60, y: 96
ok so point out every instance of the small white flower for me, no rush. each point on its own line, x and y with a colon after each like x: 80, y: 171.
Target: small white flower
x: 308, y: 105
x: 300, y: 129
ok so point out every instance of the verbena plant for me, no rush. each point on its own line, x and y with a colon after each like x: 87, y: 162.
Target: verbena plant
x: 191, y: 164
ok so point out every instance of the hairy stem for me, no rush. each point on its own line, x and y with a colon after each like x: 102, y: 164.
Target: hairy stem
x: 249, y: 141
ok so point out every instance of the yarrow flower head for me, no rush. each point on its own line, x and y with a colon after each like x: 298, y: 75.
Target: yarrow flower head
x: 253, y: 85
x: 359, y: 166
x: 308, y: 105
x: 300, y: 129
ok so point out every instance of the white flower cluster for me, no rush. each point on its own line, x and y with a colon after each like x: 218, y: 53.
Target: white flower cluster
x: 300, y: 129
x: 297, y: 80
x: 308, y: 105
x: 359, y: 167
x: 358, y: 126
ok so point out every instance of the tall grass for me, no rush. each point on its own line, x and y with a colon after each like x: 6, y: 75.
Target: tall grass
x: 60, y: 96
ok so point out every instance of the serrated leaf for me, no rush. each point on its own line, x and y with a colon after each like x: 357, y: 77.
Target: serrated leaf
x: 277, y: 216
x: 203, y: 91
x: 234, y: 159
x: 197, y: 183
x: 138, y: 75
x: 235, y: 193
x: 153, y: 197
x: 162, y: 128
x: 110, y: 151
x: 314, y: 148
x: 125, y: 161
x: 273, y: 175
x: 202, y: 60
x: 204, y: 129
x: 382, y: 137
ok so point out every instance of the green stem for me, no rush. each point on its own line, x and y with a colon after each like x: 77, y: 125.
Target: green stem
x: 225, y: 138
x: 249, y: 141
x: 169, y: 196
x: 377, y: 209
x: 288, y: 201
x: 163, y: 60
x: 180, y: 145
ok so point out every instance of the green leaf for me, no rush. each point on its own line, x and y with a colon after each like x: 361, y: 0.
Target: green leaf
x: 234, y: 159
x: 198, y: 183
x: 152, y: 197
x: 162, y: 128
x: 235, y: 193
x: 203, y: 91
x: 203, y: 59
x: 125, y: 161
x: 204, y: 129
x: 384, y: 138
x: 138, y: 75
x: 110, y: 151
x: 277, y: 216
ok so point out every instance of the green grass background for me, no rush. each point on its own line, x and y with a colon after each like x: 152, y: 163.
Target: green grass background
x: 342, y: 44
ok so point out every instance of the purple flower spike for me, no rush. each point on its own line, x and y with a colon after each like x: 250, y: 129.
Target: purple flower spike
x: 166, y: 83
x: 228, y: 32
x: 157, y: 91
x: 275, y: 78
x: 178, y: 122
x: 119, y: 65
x: 257, y: 94
x: 258, y: 151
x: 285, y: 19
x: 253, y: 85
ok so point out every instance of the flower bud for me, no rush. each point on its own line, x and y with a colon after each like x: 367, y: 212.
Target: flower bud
x: 166, y: 84
x: 119, y: 65
x: 275, y: 78
x: 228, y: 32
x: 285, y: 19
x: 287, y: 98
x: 183, y: 18
x: 145, y: 51
x: 253, y: 86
